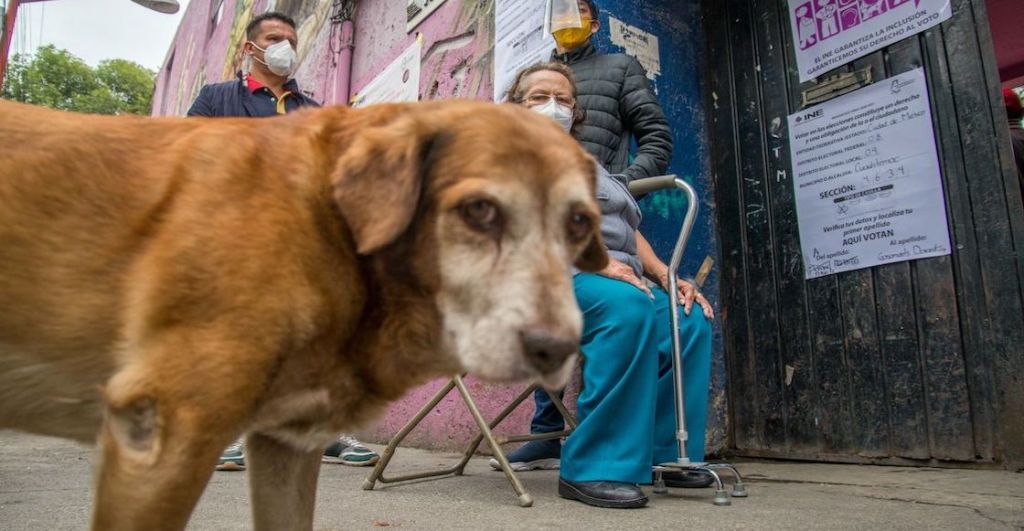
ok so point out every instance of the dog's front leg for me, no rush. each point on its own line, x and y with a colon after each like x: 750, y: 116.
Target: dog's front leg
x: 168, y: 416
x: 282, y: 480
x: 154, y: 465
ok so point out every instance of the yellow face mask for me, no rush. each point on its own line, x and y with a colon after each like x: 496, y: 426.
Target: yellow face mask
x: 572, y: 38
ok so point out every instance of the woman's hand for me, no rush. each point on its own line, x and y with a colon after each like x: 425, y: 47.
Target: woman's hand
x: 688, y: 293
x: 621, y: 271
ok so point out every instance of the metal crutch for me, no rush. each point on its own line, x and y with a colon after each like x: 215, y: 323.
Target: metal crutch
x: 739, y: 490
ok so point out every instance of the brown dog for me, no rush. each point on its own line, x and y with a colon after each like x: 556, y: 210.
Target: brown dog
x: 167, y: 284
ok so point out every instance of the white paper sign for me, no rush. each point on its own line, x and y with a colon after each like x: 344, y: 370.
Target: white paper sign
x: 830, y: 33
x: 638, y: 43
x: 520, y: 40
x: 866, y: 178
x: 399, y: 81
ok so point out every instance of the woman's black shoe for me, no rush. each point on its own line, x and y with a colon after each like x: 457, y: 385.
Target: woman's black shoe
x: 687, y: 480
x: 610, y: 494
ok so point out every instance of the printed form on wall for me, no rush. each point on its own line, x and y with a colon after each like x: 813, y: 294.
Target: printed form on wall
x: 831, y: 33
x: 638, y: 43
x: 866, y: 178
x: 520, y: 40
x: 399, y: 81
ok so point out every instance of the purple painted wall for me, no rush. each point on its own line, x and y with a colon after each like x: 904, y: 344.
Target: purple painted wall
x: 456, y: 63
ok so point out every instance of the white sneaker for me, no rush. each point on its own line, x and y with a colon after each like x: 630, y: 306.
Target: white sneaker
x: 521, y: 466
x: 348, y: 451
x: 233, y: 457
x: 534, y: 455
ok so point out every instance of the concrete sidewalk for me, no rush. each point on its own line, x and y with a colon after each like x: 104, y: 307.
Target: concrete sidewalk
x: 46, y: 484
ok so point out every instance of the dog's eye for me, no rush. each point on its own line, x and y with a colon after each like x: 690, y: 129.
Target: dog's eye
x: 481, y: 214
x: 580, y: 226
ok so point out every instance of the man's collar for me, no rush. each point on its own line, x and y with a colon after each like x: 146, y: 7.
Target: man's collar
x: 578, y: 54
x: 254, y: 85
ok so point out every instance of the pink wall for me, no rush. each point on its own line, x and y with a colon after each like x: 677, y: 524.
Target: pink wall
x: 207, y: 52
x: 456, y: 49
x: 1006, y: 18
x: 456, y: 62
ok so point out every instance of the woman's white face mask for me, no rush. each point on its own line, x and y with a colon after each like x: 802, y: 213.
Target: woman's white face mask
x: 557, y: 112
x: 280, y: 58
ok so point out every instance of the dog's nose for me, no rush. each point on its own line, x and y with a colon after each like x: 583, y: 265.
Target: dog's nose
x: 547, y: 351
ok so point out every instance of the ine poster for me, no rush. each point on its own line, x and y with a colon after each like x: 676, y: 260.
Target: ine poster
x: 830, y: 33
x: 520, y: 40
x: 399, y: 81
x: 867, y: 180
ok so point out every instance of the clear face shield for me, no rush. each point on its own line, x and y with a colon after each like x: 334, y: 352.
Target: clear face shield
x: 566, y: 25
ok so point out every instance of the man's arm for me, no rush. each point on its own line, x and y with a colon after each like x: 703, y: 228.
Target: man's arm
x: 644, y: 118
x: 201, y: 106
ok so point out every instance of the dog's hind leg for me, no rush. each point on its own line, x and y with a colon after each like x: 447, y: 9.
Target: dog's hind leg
x: 282, y: 482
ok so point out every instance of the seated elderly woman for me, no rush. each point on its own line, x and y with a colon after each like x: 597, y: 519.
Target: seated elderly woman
x: 626, y: 420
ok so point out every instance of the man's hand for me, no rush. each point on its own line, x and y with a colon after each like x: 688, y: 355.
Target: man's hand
x: 621, y: 271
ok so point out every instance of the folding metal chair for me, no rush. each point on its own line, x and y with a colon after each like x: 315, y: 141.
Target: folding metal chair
x: 495, y: 442
x: 637, y: 188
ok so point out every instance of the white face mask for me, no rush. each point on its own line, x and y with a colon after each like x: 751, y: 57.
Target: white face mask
x: 279, y: 58
x: 557, y: 112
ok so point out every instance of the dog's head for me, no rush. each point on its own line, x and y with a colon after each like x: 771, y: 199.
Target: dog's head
x: 490, y: 206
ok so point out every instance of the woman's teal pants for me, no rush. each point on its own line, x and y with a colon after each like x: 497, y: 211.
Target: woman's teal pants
x: 626, y: 417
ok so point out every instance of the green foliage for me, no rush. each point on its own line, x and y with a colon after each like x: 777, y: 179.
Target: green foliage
x: 57, y: 79
x: 129, y: 82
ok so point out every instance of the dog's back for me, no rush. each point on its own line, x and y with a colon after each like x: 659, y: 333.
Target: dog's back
x: 114, y: 227
x: 81, y: 199
x: 66, y: 228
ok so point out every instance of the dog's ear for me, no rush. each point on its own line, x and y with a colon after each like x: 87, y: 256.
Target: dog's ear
x: 594, y: 256
x: 378, y: 180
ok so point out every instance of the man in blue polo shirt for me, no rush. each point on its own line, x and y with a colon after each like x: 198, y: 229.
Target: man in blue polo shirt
x: 265, y: 87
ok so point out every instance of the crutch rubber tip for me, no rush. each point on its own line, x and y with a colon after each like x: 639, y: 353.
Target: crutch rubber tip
x: 659, y: 487
x: 739, y: 490
x: 368, y: 484
x: 722, y: 498
x: 525, y: 500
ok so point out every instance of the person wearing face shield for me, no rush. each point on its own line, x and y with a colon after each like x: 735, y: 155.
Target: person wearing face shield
x: 264, y: 86
x: 615, y: 93
x: 625, y: 411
